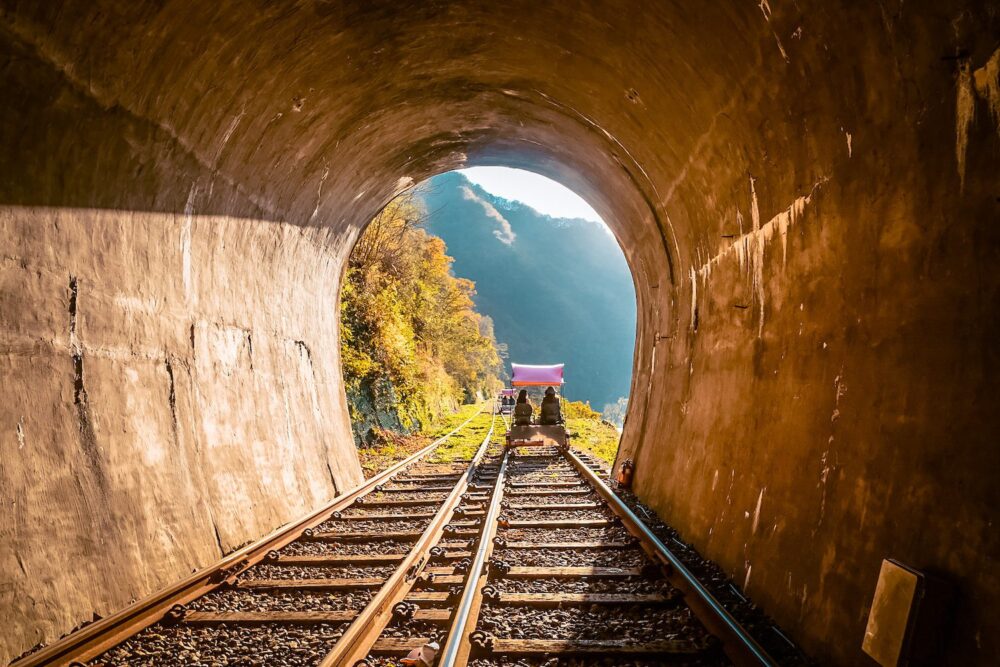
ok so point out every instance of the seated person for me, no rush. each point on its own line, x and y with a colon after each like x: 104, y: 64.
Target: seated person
x: 550, y: 412
x: 522, y: 409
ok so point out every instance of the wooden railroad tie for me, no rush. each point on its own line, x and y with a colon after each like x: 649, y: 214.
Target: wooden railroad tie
x: 567, y: 506
x: 433, y: 615
x: 566, y: 571
x: 447, y: 579
x: 558, y: 599
x: 397, y: 645
x: 336, y: 559
x: 545, y: 481
x: 409, y: 502
x: 415, y: 489
x: 421, y: 479
x: 485, y: 488
x: 295, y: 617
x: 551, y: 474
x: 592, y: 647
x: 455, y: 555
x: 519, y: 462
x: 526, y: 485
x: 565, y: 545
x: 559, y: 523
x: 429, y: 596
x: 402, y: 535
x: 559, y: 492
x: 534, y: 482
x: 385, y: 517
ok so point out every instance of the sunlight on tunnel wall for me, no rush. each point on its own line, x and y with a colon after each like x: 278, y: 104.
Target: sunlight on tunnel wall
x: 169, y: 403
x: 805, y: 193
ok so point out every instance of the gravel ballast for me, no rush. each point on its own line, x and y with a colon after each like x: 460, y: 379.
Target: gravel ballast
x: 373, y: 527
x: 280, y: 600
x: 631, y: 557
x: 556, y: 499
x: 276, y: 571
x: 608, y: 534
x: 225, y: 645
x: 347, y: 548
x: 557, y: 515
x: 581, y: 585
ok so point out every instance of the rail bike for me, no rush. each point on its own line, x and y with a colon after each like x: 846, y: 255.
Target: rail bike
x: 548, y: 427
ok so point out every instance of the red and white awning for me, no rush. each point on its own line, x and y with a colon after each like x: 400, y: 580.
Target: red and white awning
x: 524, y: 375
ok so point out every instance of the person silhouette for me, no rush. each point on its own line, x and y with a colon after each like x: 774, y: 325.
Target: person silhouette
x: 522, y: 409
x: 550, y: 412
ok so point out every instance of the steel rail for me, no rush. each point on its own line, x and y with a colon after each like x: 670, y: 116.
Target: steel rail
x: 96, y: 638
x: 739, y: 646
x: 458, y: 646
x: 362, y: 633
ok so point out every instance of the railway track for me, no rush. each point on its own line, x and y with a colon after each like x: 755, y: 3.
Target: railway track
x: 516, y: 557
x: 293, y: 596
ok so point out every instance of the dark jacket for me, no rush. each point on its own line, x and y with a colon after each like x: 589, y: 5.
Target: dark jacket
x: 522, y: 414
x: 550, y: 412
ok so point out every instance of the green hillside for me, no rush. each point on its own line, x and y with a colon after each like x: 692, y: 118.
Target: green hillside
x: 557, y: 290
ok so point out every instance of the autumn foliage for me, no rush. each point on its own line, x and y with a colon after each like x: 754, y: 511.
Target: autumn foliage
x: 413, y: 346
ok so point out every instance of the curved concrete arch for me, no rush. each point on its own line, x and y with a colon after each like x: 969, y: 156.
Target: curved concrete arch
x: 805, y: 193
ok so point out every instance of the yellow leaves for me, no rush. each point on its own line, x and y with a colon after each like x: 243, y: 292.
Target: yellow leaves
x: 580, y: 410
x: 408, y: 324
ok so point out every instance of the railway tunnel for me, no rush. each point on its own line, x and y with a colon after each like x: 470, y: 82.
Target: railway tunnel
x: 806, y: 193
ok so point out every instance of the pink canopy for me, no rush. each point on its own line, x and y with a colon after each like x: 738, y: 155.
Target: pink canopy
x: 524, y: 375
x: 506, y: 392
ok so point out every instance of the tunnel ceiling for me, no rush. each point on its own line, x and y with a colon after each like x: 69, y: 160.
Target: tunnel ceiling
x: 278, y: 97
x: 805, y: 192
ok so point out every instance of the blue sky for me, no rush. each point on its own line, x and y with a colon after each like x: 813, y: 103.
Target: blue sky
x: 540, y: 193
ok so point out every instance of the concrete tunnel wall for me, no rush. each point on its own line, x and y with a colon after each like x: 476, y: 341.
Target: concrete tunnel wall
x: 806, y: 194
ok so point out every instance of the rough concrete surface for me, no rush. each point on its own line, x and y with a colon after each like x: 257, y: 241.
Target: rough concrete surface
x: 806, y: 193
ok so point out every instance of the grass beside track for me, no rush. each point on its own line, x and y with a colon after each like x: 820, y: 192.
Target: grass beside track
x: 450, y: 422
x: 376, y: 458
x: 463, y: 445
x: 595, y: 436
x: 592, y: 435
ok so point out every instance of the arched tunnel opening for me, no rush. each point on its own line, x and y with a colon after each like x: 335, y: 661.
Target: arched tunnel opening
x: 805, y: 194
x: 462, y: 276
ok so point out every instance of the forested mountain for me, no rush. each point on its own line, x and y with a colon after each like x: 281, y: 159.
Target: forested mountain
x: 557, y: 290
